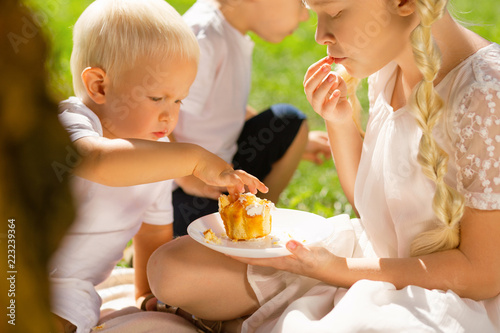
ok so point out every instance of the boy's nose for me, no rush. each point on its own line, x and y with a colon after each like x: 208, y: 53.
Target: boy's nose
x: 169, y: 114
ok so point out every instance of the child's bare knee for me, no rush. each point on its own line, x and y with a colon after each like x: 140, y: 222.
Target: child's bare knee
x: 168, y: 272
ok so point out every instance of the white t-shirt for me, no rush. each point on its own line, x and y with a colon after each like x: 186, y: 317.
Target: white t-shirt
x: 213, y: 114
x: 106, y: 219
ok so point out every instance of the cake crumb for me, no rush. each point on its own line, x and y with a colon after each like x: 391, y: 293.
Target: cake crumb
x: 211, y: 238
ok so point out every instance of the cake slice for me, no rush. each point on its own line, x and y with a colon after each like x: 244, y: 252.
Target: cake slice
x: 247, y: 217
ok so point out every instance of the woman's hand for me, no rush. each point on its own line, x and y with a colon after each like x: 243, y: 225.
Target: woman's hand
x: 314, y: 262
x: 326, y: 91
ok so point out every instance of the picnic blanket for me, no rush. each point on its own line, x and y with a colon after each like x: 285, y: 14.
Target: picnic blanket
x: 119, y: 313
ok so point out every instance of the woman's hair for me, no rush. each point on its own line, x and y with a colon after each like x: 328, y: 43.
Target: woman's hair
x: 427, y: 106
x: 113, y: 34
x: 352, y: 84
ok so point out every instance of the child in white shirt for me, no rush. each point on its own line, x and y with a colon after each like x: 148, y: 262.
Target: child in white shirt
x: 216, y: 116
x: 132, y: 62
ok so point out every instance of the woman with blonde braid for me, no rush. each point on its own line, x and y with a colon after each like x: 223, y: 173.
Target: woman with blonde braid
x: 424, y: 255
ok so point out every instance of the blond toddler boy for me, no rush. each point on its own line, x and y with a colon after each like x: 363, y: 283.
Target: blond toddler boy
x: 133, y: 62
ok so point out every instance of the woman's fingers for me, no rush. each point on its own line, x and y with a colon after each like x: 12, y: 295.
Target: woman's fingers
x: 320, y: 85
x: 314, y: 80
x: 314, y: 67
x: 303, y: 260
x: 322, y: 93
x: 333, y: 99
x: 326, y: 91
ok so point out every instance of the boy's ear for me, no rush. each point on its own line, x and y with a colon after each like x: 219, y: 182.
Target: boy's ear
x: 404, y: 7
x: 94, y: 80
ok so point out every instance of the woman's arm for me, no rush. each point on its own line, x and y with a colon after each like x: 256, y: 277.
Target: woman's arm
x: 327, y: 94
x: 472, y: 270
x: 126, y: 162
x: 346, y: 144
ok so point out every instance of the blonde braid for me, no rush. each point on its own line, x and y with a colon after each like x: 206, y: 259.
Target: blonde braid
x: 427, y: 106
x: 352, y: 84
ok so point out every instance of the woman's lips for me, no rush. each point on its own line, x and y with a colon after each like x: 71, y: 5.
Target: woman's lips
x: 338, y: 60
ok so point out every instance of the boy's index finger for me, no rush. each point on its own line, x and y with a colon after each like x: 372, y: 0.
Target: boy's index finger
x: 256, y: 185
x: 253, y: 183
x: 317, y: 65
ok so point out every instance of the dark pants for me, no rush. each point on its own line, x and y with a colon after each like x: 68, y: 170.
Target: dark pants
x: 264, y: 140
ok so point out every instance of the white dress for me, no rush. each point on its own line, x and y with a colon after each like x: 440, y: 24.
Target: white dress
x: 393, y: 198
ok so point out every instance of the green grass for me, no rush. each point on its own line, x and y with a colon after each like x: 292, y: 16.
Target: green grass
x: 278, y: 71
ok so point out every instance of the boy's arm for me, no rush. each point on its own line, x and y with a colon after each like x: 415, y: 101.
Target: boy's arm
x: 145, y: 242
x: 194, y: 186
x: 127, y: 162
x: 318, y: 147
x: 250, y: 112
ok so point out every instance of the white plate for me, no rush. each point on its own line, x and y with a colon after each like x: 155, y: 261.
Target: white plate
x: 287, y: 224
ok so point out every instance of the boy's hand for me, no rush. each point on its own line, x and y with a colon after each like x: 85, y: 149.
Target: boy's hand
x: 216, y: 172
x: 241, y: 181
x: 318, y: 147
x: 196, y: 187
x: 326, y: 91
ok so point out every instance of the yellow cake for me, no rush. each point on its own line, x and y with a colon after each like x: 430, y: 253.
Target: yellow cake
x: 247, y: 217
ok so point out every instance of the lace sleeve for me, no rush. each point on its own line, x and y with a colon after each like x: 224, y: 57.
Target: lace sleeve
x: 477, y: 125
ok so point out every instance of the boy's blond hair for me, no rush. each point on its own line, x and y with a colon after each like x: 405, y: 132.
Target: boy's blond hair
x: 113, y: 34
